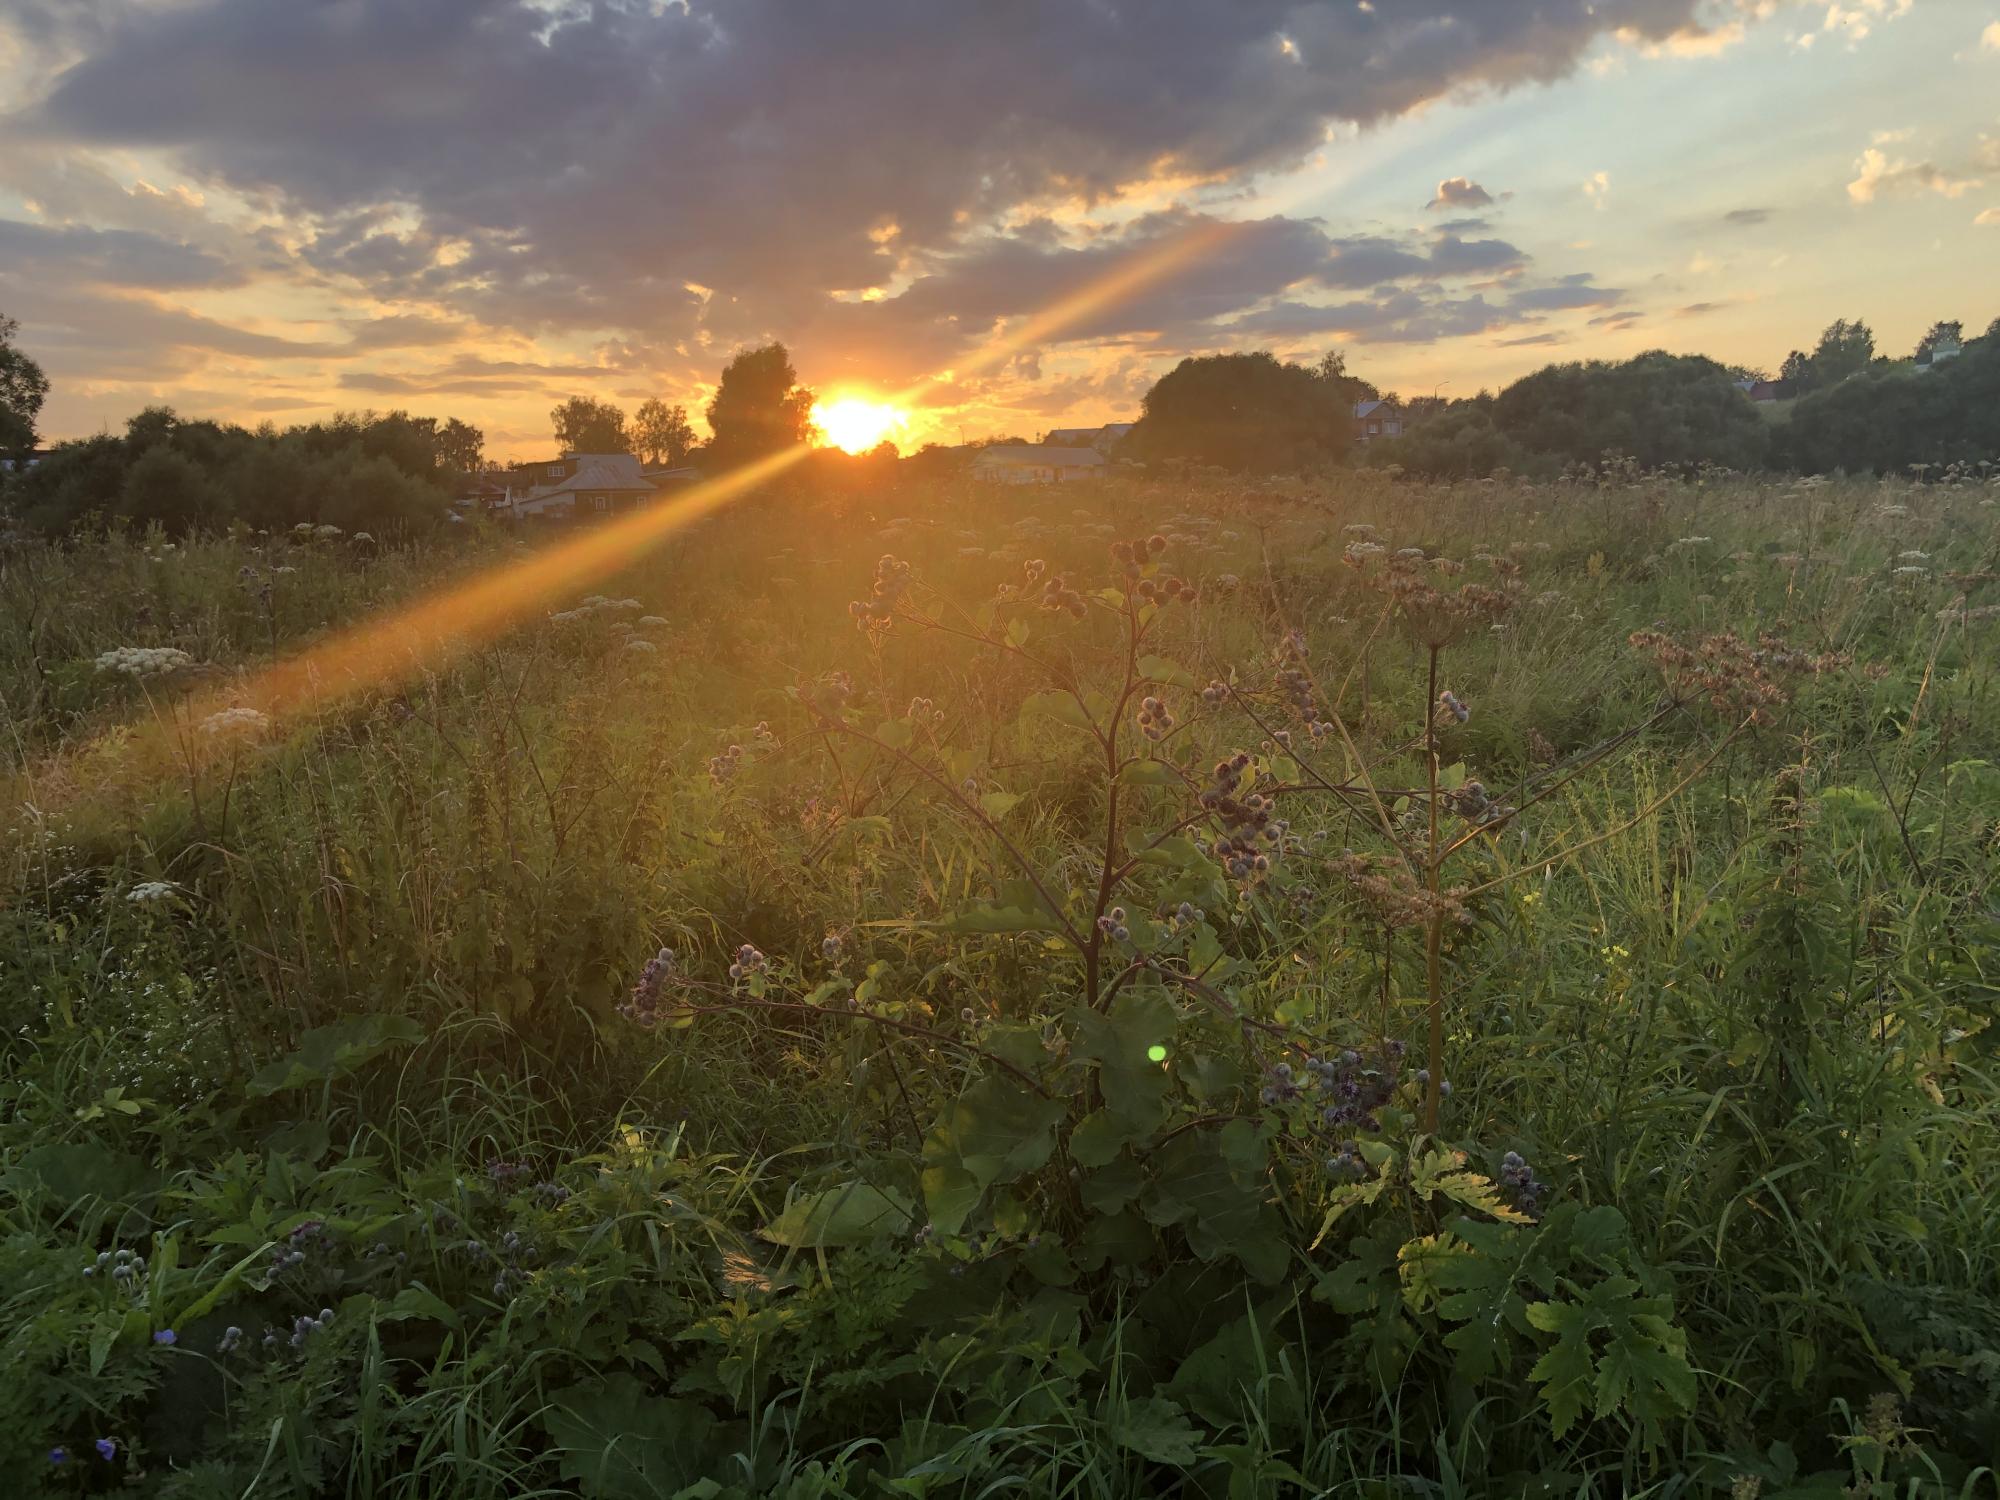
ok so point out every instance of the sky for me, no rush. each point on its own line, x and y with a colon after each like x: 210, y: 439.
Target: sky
x: 1000, y: 217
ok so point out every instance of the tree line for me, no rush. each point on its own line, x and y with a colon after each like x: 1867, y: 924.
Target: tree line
x: 1843, y: 408
x: 1847, y: 408
x: 384, y: 473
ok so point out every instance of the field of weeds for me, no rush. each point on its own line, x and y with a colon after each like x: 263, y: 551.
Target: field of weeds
x: 1121, y: 990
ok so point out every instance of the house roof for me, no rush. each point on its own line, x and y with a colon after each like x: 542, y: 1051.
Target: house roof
x: 1073, y: 437
x: 599, y: 472
x: 1367, y: 408
x: 1040, y: 454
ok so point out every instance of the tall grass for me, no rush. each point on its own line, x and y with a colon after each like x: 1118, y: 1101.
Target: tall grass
x: 1744, y: 996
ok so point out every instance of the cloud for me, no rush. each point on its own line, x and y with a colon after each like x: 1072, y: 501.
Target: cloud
x: 1875, y: 174
x: 1989, y: 39
x: 1459, y: 192
x: 1698, y: 309
x: 1532, y: 340
x: 1987, y: 216
x: 385, y: 383
x: 1857, y: 21
x: 407, y: 331
x: 1579, y: 290
x: 1597, y: 188
x: 1369, y: 260
x: 1746, y: 216
x: 573, y: 168
x: 1405, y: 315
x: 79, y: 254
x: 500, y: 197
x: 106, y: 337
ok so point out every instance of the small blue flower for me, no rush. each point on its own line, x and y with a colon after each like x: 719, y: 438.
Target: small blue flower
x: 58, y: 1455
x: 107, y: 1449
x: 166, y: 1336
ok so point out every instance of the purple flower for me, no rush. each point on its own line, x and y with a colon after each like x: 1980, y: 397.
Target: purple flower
x: 166, y: 1336
x: 107, y: 1449
x: 58, y: 1455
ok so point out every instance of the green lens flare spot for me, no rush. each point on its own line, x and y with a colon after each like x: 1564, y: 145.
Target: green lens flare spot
x: 1156, y: 1053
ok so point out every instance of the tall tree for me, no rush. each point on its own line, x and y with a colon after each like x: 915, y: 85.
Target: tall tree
x: 1944, y: 331
x: 23, y: 388
x: 460, y: 447
x: 585, y: 425
x: 1665, y: 410
x: 759, y: 407
x: 1245, y: 411
x: 661, y: 433
x: 1332, y: 369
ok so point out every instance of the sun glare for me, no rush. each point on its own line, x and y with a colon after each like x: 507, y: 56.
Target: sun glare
x: 858, y: 424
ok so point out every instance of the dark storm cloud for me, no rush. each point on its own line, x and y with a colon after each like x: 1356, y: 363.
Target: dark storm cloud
x: 1746, y: 216
x: 584, y: 164
x: 78, y: 254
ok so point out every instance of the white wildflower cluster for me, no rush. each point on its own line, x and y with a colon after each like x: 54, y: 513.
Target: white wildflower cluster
x: 597, y: 604
x: 144, y: 661
x: 234, y: 721
x: 1689, y: 543
x: 151, y: 892
x: 651, y: 622
x: 644, y: 648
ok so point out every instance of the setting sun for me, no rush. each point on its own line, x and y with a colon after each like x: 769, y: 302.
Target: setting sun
x: 858, y: 424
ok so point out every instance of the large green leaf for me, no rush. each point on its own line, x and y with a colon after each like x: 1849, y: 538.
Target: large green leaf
x: 74, y: 1170
x: 1200, y: 1182
x: 329, y: 1052
x: 1132, y: 1075
x: 855, y: 1213
x: 616, y: 1441
x: 976, y: 919
x: 1641, y: 1366
x: 1154, y: 1428
x: 1056, y: 705
x: 998, y: 1130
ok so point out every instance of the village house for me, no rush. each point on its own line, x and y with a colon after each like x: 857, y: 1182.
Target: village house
x: 1036, y: 463
x: 1943, y: 351
x: 1103, y: 439
x: 1759, y: 390
x: 1377, y: 419
x: 580, y: 485
x: 484, y: 493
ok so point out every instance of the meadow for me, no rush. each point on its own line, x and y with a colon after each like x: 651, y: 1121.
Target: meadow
x: 1164, y: 987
